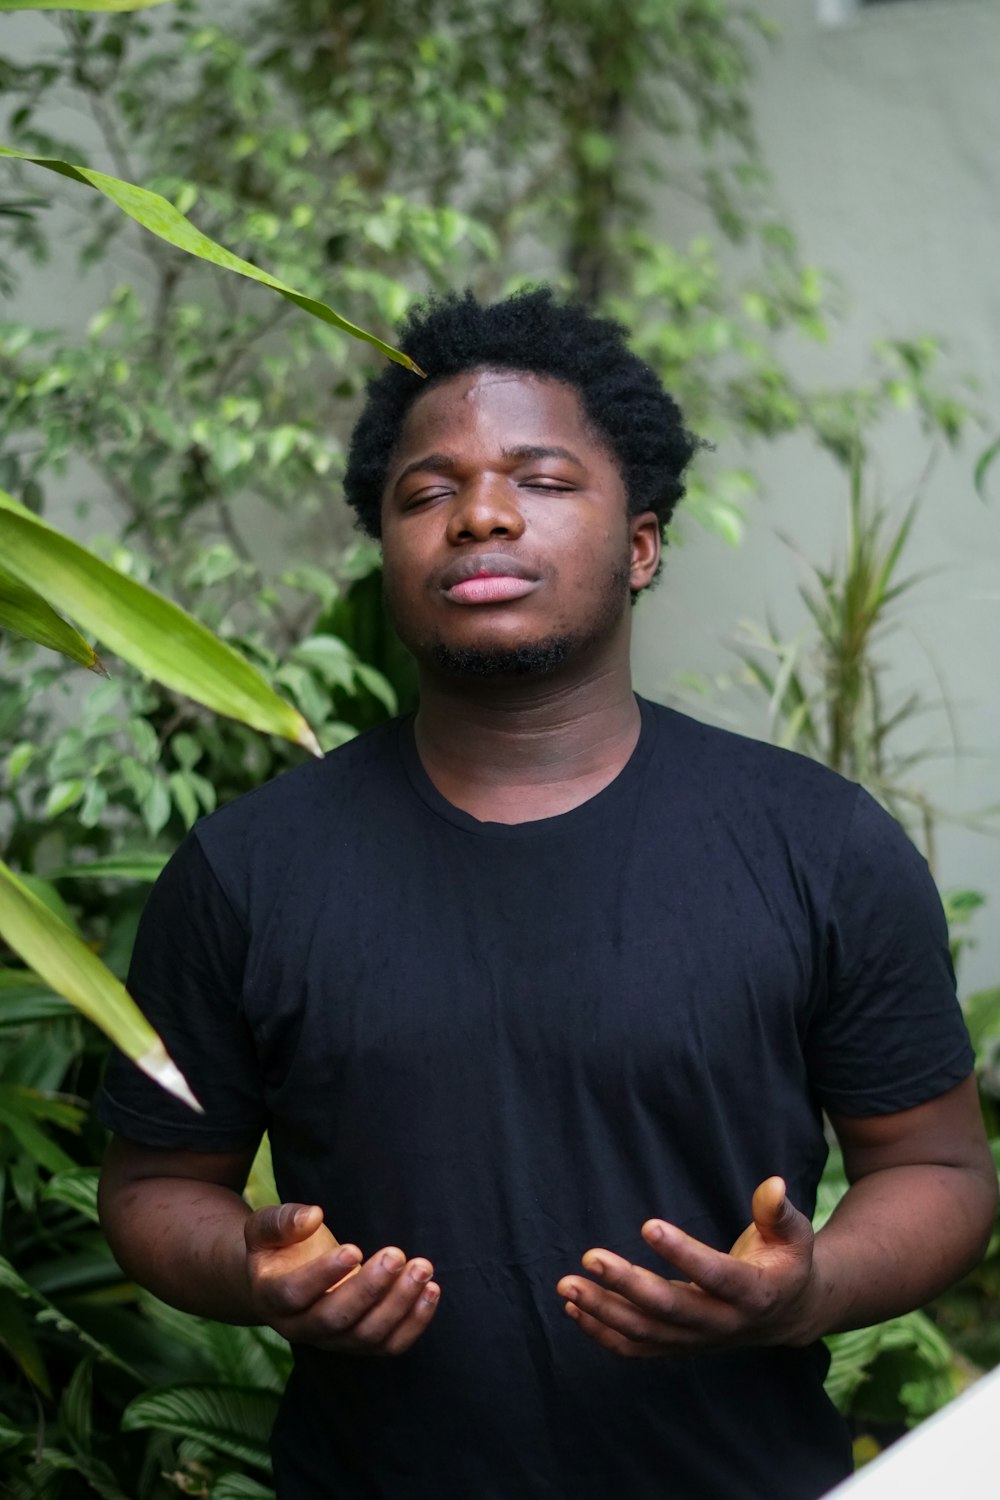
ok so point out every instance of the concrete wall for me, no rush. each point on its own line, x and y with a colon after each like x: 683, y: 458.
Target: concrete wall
x: 882, y: 135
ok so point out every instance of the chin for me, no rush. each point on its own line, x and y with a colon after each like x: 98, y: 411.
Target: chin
x: 529, y: 658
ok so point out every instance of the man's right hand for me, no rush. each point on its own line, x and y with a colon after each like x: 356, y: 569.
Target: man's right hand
x: 313, y: 1290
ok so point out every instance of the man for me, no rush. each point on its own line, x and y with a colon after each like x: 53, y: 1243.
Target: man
x: 544, y: 973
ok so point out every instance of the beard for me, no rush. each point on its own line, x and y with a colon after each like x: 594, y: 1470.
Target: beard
x: 496, y: 661
x: 530, y: 658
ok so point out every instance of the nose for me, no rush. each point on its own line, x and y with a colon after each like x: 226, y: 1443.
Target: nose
x: 485, y: 508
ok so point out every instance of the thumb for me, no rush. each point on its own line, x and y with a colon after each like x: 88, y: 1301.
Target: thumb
x: 281, y: 1224
x: 777, y: 1220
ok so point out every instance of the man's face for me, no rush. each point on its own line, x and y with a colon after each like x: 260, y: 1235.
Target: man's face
x: 507, y: 544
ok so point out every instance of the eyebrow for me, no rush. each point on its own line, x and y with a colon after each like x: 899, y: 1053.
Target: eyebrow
x: 445, y: 463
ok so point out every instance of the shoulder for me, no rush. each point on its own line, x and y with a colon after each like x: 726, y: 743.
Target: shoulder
x: 735, y: 770
x: 306, y: 810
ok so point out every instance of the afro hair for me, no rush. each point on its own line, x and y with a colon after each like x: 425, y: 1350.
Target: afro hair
x: 622, y: 398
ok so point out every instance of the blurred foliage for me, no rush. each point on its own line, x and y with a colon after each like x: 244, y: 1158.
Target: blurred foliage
x: 381, y: 151
x: 827, y: 697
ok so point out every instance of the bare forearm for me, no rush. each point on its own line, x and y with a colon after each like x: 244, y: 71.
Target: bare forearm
x: 897, y: 1239
x: 183, y: 1240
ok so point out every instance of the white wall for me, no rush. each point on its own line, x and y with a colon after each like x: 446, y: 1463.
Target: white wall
x: 882, y: 135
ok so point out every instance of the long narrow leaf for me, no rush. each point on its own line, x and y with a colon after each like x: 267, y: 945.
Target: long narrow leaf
x: 12, y: 1281
x: 117, y: 6
x: 24, y: 999
x: 115, y: 867
x: 143, y: 627
x: 17, y: 1336
x: 26, y: 613
x: 984, y: 464
x: 68, y: 965
x: 161, y: 218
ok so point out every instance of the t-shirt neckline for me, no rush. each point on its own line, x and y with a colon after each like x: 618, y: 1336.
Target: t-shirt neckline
x: 601, y: 802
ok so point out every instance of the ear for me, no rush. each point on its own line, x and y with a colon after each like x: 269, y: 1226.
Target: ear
x: 645, y: 543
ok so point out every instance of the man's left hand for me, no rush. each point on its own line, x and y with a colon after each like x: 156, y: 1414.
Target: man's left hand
x: 758, y: 1294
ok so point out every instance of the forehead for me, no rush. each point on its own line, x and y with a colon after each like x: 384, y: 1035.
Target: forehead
x: 508, y: 406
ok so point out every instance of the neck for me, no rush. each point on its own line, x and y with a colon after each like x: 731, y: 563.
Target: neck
x: 516, y: 750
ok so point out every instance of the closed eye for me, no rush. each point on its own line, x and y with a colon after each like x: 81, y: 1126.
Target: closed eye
x: 421, y: 497
x: 546, y: 482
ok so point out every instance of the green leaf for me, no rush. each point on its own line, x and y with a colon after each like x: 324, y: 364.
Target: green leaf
x: 95, y: 5
x: 378, y: 686
x: 75, y: 1405
x: 26, y: 613
x: 65, y: 962
x: 62, y: 796
x: 18, y: 1337
x: 260, y: 1189
x: 25, y: 1000
x: 143, y: 627
x: 33, y: 1140
x: 184, y: 799
x: 47, y: 894
x: 982, y: 1016
x: 136, y: 866
x: 155, y: 807
x: 77, y: 1188
x: 854, y: 1353
x: 162, y: 219
x: 239, y: 1487
x: 12, y: 1281
x: 230, y: 1419
x: 983, y: 466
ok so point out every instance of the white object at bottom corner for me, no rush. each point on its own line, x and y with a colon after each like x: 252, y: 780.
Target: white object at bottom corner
x: 951, y: 1456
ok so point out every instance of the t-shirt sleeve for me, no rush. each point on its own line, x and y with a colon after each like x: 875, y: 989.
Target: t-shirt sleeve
x: 889, y: 1034
x: 186, y: 976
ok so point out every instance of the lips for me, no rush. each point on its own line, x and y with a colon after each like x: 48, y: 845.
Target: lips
x: 489, y: 578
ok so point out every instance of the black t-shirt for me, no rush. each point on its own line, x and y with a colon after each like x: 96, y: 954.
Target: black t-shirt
x: 498, y: 1046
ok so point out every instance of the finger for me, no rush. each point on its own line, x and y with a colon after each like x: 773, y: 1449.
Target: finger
x: 778, y: 1221
x: 379, y: 1336
x: 620, y: 1344
x: 714, y: 1271
x: 281, y: 1224
x: 669, y: 1312
x: 394, y: 1305
x: 345, y: 1305
x: 283, y: 1293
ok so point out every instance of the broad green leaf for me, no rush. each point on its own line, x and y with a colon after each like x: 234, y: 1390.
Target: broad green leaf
x: 161, y: 218
x: 66, y: 963
x: 26, y: 613
x: 136, y: 866
x: 63, y: 795
x: 229, y: 1419
x: 853, y: 1353
x: 143, y: 627
x: 257, y: 1357
x: 239, y: 1487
